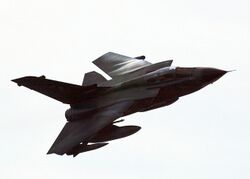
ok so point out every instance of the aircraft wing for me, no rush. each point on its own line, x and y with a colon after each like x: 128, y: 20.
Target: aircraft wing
x: 115, y: 64
x: 64, y: 92
x: 76, y: 132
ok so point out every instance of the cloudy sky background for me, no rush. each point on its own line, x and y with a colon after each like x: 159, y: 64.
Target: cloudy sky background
x: 204, y: 135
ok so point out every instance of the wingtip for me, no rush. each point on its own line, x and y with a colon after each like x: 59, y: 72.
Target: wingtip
x: 14, y: 80
x: 20, y: 81
x: 53, y: 152
x: 49, y: 152
x: 17, y: 80
x: 26, y: 79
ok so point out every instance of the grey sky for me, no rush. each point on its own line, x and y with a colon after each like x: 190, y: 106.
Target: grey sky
x: 204, y: 135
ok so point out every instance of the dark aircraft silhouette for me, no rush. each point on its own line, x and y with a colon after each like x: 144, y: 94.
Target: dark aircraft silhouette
x: 136, y: 86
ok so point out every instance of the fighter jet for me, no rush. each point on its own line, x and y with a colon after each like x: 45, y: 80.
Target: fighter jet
x: 136, y: 85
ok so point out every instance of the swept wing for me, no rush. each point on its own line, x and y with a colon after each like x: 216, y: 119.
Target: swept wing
x: 64, y: 92
x: 81, y: 131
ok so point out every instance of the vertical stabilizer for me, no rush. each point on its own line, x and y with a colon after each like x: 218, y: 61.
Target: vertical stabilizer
x: 92, y: 78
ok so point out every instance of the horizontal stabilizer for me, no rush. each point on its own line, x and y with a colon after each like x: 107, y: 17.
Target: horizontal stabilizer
x: 92, y: 78
x: 64, y: 92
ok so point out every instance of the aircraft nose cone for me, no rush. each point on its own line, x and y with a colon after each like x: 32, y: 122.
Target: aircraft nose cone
x: 210, y: 75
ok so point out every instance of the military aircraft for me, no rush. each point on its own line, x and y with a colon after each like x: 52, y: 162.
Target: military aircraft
x: 95, y: 106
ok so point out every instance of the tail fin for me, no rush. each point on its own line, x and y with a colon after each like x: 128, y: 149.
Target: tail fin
x: 64, y: 92
x: 92, y: 78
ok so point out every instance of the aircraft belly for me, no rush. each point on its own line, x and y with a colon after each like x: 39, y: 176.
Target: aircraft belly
x: 166, y: 96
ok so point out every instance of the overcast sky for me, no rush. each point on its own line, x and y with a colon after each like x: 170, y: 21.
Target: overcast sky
x: 204, y: 135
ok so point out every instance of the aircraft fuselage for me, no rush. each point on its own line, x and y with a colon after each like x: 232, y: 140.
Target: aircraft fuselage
x: 156, y: 89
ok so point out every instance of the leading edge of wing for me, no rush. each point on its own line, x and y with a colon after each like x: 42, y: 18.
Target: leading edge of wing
x: 76, y: 132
